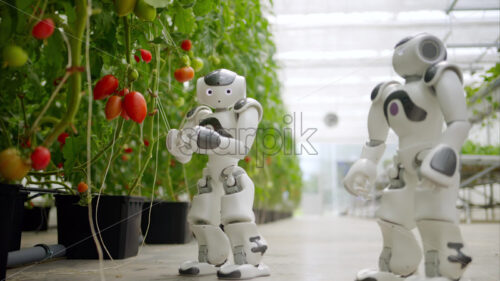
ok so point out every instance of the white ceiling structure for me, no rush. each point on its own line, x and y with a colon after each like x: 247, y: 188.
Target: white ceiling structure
x: 333, y: 52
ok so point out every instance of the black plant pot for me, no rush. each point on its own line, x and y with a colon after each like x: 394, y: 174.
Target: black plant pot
x: 168, y: 224
x: 11, y: 215
x: 119, y: 219
x: 36, y: 219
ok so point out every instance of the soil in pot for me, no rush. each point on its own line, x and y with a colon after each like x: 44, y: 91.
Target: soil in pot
x: 119, y: 219
x: 168, y: 224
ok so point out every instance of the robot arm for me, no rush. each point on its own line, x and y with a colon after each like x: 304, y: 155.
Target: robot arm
x: 207, y: 141
x: 363, y: 172
x: 175, y: 141
x: 441, y: 164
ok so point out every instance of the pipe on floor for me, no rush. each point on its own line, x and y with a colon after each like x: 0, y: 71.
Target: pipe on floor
x: 37, y: 253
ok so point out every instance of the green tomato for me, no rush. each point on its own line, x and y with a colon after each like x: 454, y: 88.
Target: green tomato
x: 185, y: 60
x: 191, y: 54
x: 132, y: 75
x: 197, y: 64
x: 214, y: 59
x: 124, y: 7
x: 144, y: 11
x: 14, y: 56
x: 178, y: 102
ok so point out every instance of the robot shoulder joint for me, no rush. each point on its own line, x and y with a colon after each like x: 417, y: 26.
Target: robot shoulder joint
x: 246, y: 103
x: 435, y: 71
x: 380, y: 89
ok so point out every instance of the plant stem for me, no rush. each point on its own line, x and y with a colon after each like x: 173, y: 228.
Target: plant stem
x: 126, y: 27
x: 21, y: 98
x: 6, y: 134
x: 149, y: 122
x: 169, y: 180
x: 52, y: 182
x: 49, y: 103
x: 75, y: 80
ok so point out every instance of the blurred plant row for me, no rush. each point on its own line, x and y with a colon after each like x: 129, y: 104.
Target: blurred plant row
x: 154, y: 50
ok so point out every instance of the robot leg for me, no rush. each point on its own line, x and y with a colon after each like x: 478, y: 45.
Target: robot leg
x: 401, y: 254
x: 437, y: 223
x: 239, y: 224
x: 204, y: 219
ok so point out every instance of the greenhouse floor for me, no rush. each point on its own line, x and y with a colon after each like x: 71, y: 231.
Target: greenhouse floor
x: 313, y: 249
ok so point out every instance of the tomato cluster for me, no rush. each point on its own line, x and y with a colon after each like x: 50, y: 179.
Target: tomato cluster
x: 190, y: 64
x: 130, y: 105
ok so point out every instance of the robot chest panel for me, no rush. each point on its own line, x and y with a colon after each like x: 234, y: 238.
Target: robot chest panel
x: 411, y: 109
x: 223, y: 122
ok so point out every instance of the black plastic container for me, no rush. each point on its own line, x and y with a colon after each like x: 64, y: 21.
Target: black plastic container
x: 168, y: 223
x: 119, y: 219
x: 36, y: 219
x: 11, y: 215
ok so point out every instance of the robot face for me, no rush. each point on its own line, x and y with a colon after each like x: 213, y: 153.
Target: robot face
x: 413, y: 55
x: 220, y: 89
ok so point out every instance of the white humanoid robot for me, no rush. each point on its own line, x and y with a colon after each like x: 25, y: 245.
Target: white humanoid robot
x: 425, y: 177
x: 225, y: 193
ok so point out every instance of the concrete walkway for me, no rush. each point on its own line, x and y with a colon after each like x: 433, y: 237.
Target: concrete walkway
x: 314, y: 249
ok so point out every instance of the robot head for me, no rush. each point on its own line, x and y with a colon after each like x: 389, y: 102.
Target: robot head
x: 220, y: 88
x: 414, y: 54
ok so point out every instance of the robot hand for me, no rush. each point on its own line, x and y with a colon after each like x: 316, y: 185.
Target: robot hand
x: 360, y: 177
x: 177, y: 148
x: 439, y: 167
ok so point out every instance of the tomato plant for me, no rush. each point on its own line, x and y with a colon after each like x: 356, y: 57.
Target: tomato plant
x: 45, y: 89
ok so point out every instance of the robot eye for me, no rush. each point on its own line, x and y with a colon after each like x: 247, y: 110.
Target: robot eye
x: 228, y: 92
x: 430, y: 49
x: 209, y: 92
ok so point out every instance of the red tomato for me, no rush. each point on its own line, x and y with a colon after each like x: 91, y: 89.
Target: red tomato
x: 137, y: 59
x: 184, y: 74
x: 62, y: 138
x: 82, y: 187
x: 123, y: 92
x: 40, y: 158
x: 60, y: 165
x: 105, y: 87
x: 113, y: 107
x: 124, y: 157
x: 247, y: 159
x: 269, y: 160
x: 146, y: 142
x: 135, y: 105
x: 43, y: 29
x: 186, y: 45
x: 146, y: 55
x: 26, y: 143
x: 124, y: 114
x: 128, y: 150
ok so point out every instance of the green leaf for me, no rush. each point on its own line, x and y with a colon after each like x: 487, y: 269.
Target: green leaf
x: 157, y: 3
x: 185, y: 21
x: 203, y: 7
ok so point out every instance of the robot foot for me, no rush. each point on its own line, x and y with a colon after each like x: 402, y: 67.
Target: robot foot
x: 242, y: 271
x: 195, y: 268
x: 375, y: 275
